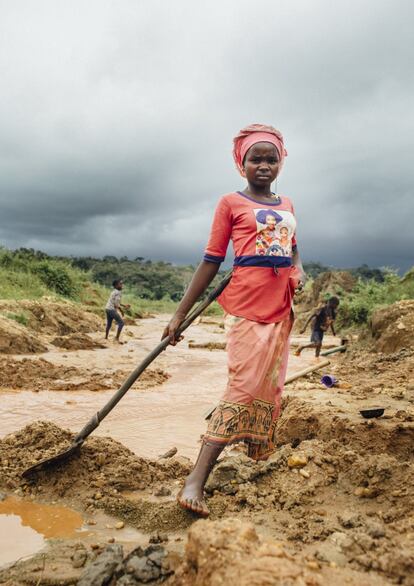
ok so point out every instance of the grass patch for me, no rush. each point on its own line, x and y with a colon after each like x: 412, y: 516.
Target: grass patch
x: 20, y: 318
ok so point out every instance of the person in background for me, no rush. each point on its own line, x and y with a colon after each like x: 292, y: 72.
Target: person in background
x: 324, y: 318
x: 114, y: 309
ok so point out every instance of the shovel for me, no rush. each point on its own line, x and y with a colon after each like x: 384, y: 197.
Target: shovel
x: 94, y: 422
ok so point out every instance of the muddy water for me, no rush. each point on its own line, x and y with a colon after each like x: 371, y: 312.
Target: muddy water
x: 148, y: 422
x: 24, y: 525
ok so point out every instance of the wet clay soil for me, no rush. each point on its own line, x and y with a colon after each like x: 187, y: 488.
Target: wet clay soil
x: 332, y: 506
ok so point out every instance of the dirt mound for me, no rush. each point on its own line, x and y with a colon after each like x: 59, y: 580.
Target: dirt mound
x: 392, y: 328
x: 376, y: 373
x: 230, y: 551
x: 341, y: 507
x: 302, y: 420
x: 332, y: 502
x: 52, y: 317
x: 41, y: 375
x: 15, y: 339
x: 331, y: 283
x: 101, y: 469
x: 77, y: 341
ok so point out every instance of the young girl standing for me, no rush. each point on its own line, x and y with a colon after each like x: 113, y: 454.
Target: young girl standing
x: 257, y: 304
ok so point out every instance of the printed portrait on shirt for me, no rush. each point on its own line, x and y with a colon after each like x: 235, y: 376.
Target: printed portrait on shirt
x: 275, y: 231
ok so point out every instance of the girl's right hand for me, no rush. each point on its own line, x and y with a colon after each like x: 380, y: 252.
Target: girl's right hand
x: 171, y: 328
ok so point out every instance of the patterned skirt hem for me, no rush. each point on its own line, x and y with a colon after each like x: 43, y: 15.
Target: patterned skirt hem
x: 251, y: 424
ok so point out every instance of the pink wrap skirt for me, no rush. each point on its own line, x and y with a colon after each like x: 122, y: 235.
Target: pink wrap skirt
x: 257, y: 364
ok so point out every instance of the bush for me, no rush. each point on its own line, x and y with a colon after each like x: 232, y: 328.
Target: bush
x: 368, y: 295
x: 57, y: 278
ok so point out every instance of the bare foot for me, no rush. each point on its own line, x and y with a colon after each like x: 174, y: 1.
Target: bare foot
x: 191, y: 498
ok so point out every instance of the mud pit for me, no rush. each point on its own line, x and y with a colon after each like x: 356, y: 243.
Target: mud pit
x: 332, y: 506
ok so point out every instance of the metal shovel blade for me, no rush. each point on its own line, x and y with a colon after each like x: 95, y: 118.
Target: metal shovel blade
x: 48, y: 462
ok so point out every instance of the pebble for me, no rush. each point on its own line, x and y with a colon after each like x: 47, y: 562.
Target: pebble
x: 101, y: 459
x: 304, y: 473
x: 375, y: 529
x: 98, y: 496
x: 365, y: 492
x: 297, y: 461
x: 79, y: 557
x: 158, y: 538
x: 349, y: 519
x: 162, y: 491
x: 119, y: 525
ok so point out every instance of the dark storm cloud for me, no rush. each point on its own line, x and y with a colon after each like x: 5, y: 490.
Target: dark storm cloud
x: 117, y: 122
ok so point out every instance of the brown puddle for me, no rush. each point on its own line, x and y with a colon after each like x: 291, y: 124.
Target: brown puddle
x: 24, y: 526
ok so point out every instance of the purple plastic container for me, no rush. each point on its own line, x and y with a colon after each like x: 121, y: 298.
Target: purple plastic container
x: 328, y: 380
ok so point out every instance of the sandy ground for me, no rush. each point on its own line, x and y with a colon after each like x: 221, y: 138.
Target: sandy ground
x: 335, y: 500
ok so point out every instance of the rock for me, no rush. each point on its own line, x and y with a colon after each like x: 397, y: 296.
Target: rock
x: 79, y: 556
x: 231, y: 552
x: 119, y: 525
x: 366, y: 492
x: 169, y: 454
x: 304, y: 473
x: 333, y: 549
x: 142, y: 570
x: 297, y: 461
x: 126, y: 580
x: 349, y: 520
x: 147, y: 565
x: 100, y: 571
x: 158, y: 538
x: 375, y: 529
x: 233, y: 471
x: 364, y: 541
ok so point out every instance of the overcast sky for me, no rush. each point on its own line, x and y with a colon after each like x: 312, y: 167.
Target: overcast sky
x: 117, y: 121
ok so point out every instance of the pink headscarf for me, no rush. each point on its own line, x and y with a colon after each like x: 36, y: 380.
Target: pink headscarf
x: 252, y: 134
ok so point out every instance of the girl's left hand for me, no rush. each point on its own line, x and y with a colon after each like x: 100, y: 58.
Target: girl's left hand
x: 298, y: 277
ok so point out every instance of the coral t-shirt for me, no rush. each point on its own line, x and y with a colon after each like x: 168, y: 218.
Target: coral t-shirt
x: 263, y: 236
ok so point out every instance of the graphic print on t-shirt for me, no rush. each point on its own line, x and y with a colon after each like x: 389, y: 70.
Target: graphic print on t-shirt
x: 275, y: 231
